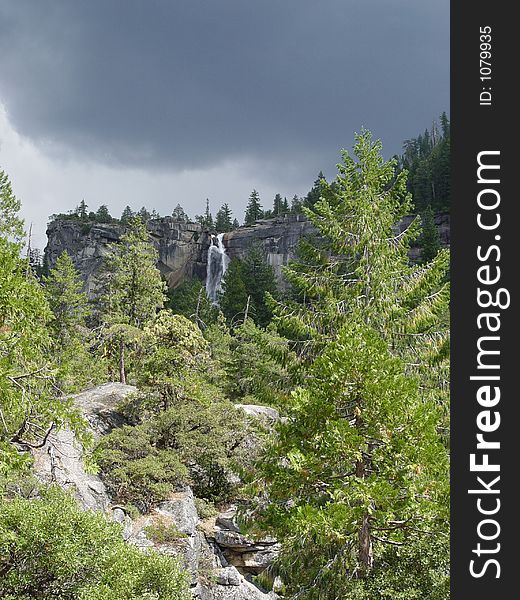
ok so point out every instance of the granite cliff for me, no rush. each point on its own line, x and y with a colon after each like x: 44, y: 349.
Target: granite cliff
x: 183, y: 247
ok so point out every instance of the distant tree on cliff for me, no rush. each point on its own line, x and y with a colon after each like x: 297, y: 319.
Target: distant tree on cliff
x: 102, y: 214
x: 179, y: 214
x: 427, y: 160
x: 314, y: 194
x: 223, y: 220
x: 144, y: 214
x: 236, y: 224
x: 81, y: 211
x: 296, y: 205
x: 127, y: 215
x: 277, y: 205
x: 253, y: 209
x: 206, y: 220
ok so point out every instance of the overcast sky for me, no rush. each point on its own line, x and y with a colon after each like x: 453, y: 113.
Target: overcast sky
x: 159, y: 102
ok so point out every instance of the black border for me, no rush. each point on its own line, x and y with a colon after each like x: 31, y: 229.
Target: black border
x: 476, y: 128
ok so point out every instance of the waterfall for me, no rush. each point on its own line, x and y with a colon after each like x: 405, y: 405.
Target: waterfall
x: 218, y: 262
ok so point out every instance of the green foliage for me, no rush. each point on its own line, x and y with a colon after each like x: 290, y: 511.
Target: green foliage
x: 205, y: 508
x: 190, y: 300
x: 260, y: 364
x: 223, y: 221
x: 253, y: 209
x: 360, y: 467
x: 132, y: 292
x: 50, y: 548
x: 135, y: 470
x: 163, y: 532
x: 429, y: 240
x: 360, y: 446
x: 427, y: 160
x: 29, y: 403
x: 184, y: 430
x: 245, y: 286
x: 76, y: 366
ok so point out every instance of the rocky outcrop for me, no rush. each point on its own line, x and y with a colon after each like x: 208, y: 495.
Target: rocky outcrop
x: 221, y: 561
x: 61, y: 459
x: 183, y: 247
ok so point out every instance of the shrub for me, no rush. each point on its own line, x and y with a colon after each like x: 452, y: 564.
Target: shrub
x: 50, y: 548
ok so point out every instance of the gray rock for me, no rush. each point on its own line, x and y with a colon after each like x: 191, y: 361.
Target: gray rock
x: 183, y: 247
x: 181, y: 509
x: 262, y: 412
x: 60, y: 460
x: 228, y: 576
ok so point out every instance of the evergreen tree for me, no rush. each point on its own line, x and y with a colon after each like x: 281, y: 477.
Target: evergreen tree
x: 245, y: 285
x: 81, y: 211
x: 223, y: 222
x: 360, y: 467
x: 253, y: 209
x: 314, y: 194
x: 206, y: 220
x: 102, y: 214
x: 144, y: 214
x: 236, y: 224
x: 30, y: 406
x: 127, y: 215
x: 259, y: 280
x: 278, y: 206
x: 70, y: 337
x: 132, y: 288
x: 234, y: 299
x: 296, y: 205
x: 179, y: 214
x: 429, y: 240
x: 285, y: 206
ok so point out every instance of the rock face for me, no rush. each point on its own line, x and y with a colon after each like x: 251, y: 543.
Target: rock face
x: 220, y: 560
x: 183, y: 247
x: 60, y: 460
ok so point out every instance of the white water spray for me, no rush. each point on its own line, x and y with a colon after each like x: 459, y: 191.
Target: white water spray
x: 218, y: 262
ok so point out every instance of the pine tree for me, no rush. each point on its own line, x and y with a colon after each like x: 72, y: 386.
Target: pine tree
x: 253, y: 209
x: 236, y: 224
x: 296, y: 205
x: 179, y: 214
x: 70, y: 337
x: 102, y: 214
x: 314, y: 194
x: 127, y: 215
x: 132, y: 287
x: 234, y: 299
x: 259, y: 279
x: 429, y: 240
x: 278, y: 206
x: 360, y: 468
x: 223, y: 222
x: 81, y: 211
x: 30, y: 406
x: 144, y: 214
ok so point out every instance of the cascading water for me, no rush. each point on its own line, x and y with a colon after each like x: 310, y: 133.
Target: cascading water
x: 218, y: 262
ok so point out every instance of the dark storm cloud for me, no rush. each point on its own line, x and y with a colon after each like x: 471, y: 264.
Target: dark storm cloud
x: 188, y: 83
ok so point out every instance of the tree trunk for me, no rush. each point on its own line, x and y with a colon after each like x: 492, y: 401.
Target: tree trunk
x: 122, y: 373
x: 365, y: 552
